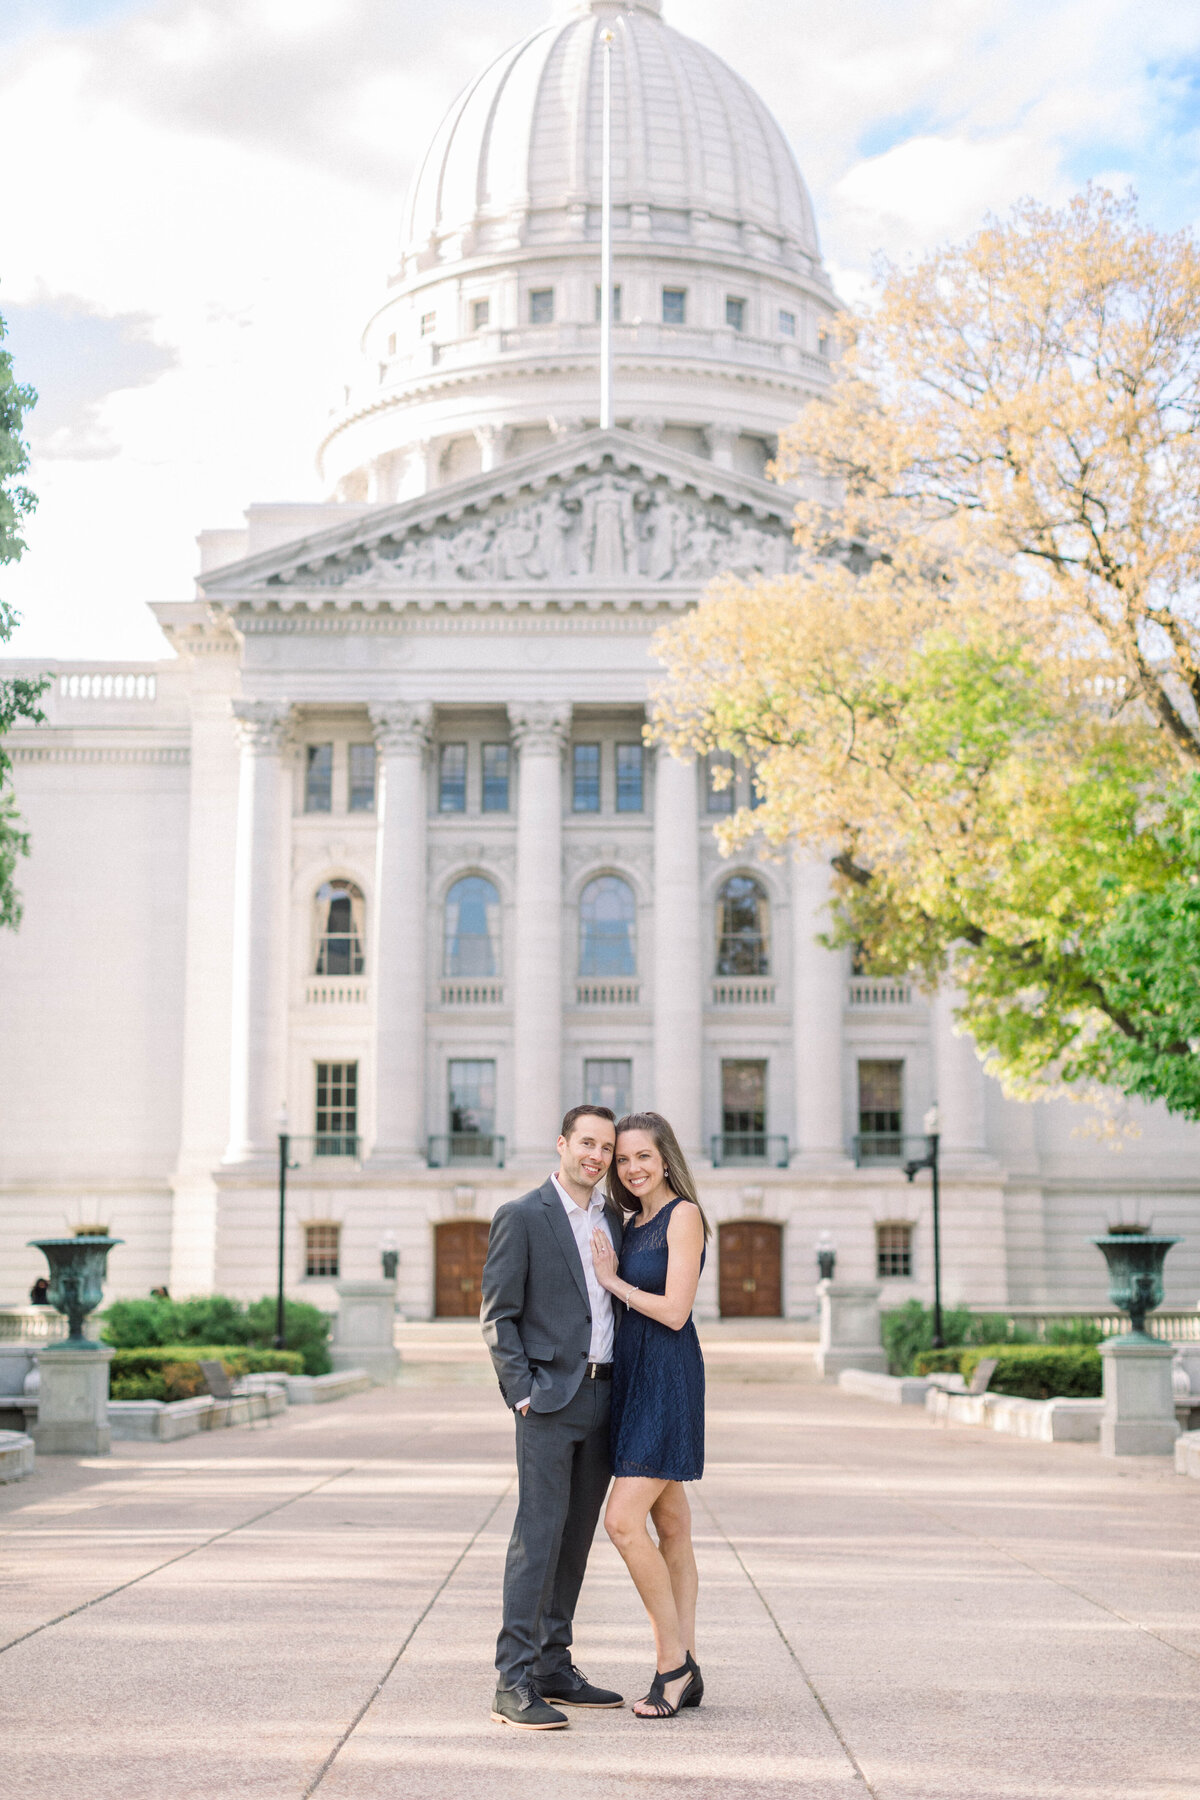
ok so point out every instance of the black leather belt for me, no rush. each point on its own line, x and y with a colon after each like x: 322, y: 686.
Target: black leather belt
x: 599, y: 1372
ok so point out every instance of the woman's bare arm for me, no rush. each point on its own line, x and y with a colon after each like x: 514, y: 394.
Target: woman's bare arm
x: 685, y: 1246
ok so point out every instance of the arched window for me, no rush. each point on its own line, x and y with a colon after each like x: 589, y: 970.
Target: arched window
x: 339, y: 929
x: 472, y: 928
x: 606, y: 921
x: 743, y: 919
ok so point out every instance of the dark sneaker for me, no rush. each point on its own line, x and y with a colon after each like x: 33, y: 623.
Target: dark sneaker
x: 572, y: 1688
x: 521, y: 1707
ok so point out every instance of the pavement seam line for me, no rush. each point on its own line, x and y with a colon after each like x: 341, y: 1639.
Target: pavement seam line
x: 371, y: 1698
x: 788, y: 1646
x: 192, y: 1550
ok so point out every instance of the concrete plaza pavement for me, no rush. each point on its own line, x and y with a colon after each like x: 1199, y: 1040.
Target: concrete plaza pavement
x: 888, y: 1608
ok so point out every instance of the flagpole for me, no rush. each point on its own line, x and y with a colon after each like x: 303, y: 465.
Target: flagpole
x: 606, y: 286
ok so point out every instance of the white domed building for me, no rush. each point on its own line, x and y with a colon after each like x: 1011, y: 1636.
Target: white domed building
x: 381, y: 838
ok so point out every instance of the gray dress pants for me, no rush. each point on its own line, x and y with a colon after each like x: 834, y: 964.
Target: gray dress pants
x: 563, y: 1471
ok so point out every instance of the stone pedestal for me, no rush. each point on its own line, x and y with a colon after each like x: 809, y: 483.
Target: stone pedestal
x: 364, y: 1335
x: 1139, y: 1400
x: 73, y: 1402
x: 850, y: 1336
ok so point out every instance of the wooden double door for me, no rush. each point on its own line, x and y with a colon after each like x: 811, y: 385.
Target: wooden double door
x: 460, y: 1247
x: 750, y: 1269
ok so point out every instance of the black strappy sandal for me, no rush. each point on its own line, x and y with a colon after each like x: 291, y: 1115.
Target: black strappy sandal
x: 693, y: 1694
x: 657, y: 1699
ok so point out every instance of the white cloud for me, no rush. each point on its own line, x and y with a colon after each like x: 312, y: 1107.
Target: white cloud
x: 226, y: 177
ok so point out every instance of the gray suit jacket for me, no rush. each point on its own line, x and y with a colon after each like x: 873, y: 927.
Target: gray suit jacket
x: 536, y: 1316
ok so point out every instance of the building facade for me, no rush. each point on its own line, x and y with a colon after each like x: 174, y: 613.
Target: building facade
x: 380, y: 839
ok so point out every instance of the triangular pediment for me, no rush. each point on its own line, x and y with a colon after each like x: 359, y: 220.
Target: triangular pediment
x: 606, y: 517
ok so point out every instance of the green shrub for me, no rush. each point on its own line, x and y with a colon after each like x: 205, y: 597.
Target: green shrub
x: 939, y: 1362
x: 172, y: 1371
x: 216, y: 1319
x: 908, y: 1333
x: 1040, y: 1371
x: 1074, y: 1331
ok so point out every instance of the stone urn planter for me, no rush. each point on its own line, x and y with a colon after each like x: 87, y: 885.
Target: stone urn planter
x: 77, y: 1269
x: 1135, y: 1272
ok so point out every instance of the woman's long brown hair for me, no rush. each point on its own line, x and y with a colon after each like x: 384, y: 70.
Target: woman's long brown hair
x: 678, y: 1176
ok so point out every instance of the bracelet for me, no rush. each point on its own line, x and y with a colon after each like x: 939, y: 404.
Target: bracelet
x: 630, y: 1289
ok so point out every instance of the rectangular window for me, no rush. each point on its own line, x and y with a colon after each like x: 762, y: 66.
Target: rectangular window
x: 744, y: 1108
x: 481, y: 312
x: 585, y: 771
x: 608, y: 1081
x: 616, y: 304
x: 472, y: 1097
x: 893, y: 1252
x: 823, y: 345
x: 630, y: 778
x: 787, y: 324
x: 880, y: 1108
x: 674, y: 306
x: 452, y: 778
x: 337, y: 1109
x: 718, y: 799
x: 362, y: 778
x: 495, y: 778
x: 428, y: 324
x: 318, y: 778
x: 322, y: 1252
x: 735, y: 313
x: 541, y: 306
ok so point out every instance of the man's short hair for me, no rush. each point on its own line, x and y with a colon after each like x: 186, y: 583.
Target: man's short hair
x: 575, y: 1113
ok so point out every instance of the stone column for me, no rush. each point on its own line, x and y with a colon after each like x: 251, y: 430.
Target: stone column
x: 256, y: 1061
x: 398, y: 958
x: 958, y: 1080
x: 493, y: 441
x: 539, y: 731
x: 818, y: 997
x: 681, y: 968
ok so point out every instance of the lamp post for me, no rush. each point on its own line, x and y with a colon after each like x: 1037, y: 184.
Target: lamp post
x: 284, y: 1166
x: 826, y: 1255
x: 932, y: 1124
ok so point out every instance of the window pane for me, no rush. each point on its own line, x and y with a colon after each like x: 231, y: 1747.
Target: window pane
x: 735, y: 312
x: 541, y: 306
x: 472, y: 928
x: 495, y: 778
x: 787, y: 324
x: 674, y: 306
x: 744, y: 1098
x: 339, y: 929
x: 630, y: 766
x: 322, y: 1251
x: 880, y: 1101
x: 428, y: 324
x: 608, y: 1081
x: 472, y: 1095
x: 452, y: 778
x: 362, y: 778
x: 318, y: 778
x: 719, y: 799
x: 480, y: 313
x: 606, y: 928
x: 893, y: 1252
x: 586, y: 788
x: 742, y: 928
x: 337, y: 1109
x: 616, y: 304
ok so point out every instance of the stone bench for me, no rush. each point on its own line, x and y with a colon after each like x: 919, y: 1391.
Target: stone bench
x: 313, y: 1390
x: 1054, y: 1421
x: 894, y: 1390
x: 163, y: 1421
x: 16, y: 1456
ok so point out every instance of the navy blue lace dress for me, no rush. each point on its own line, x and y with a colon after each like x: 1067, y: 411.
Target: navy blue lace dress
x: 658, y: 1374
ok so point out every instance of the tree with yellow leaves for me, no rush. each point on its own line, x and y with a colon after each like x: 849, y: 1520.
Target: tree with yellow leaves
x: 980, y: 695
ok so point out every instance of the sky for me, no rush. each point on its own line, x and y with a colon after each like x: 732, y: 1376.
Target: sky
x: 202, y: 200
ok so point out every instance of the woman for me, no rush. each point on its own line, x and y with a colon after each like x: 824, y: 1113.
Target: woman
x: 658, y: 1394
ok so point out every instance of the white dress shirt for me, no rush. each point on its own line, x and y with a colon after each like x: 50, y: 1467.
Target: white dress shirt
x: 583, y: 1221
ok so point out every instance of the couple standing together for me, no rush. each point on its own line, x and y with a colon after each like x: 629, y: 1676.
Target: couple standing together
x: 587, y: 1311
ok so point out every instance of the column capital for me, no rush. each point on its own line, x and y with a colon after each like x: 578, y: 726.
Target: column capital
x: 540, y: 725
x: 262, y: 725
x: 402, y: 727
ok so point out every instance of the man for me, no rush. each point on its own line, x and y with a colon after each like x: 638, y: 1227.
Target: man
x: 549, y: 1325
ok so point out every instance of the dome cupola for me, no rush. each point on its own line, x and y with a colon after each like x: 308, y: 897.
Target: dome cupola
x: 487, y: 343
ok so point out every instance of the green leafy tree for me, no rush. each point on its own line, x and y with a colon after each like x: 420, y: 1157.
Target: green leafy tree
x: 18, y: 696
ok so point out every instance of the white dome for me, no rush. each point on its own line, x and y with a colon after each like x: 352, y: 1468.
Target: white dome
x: 695, y: 151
